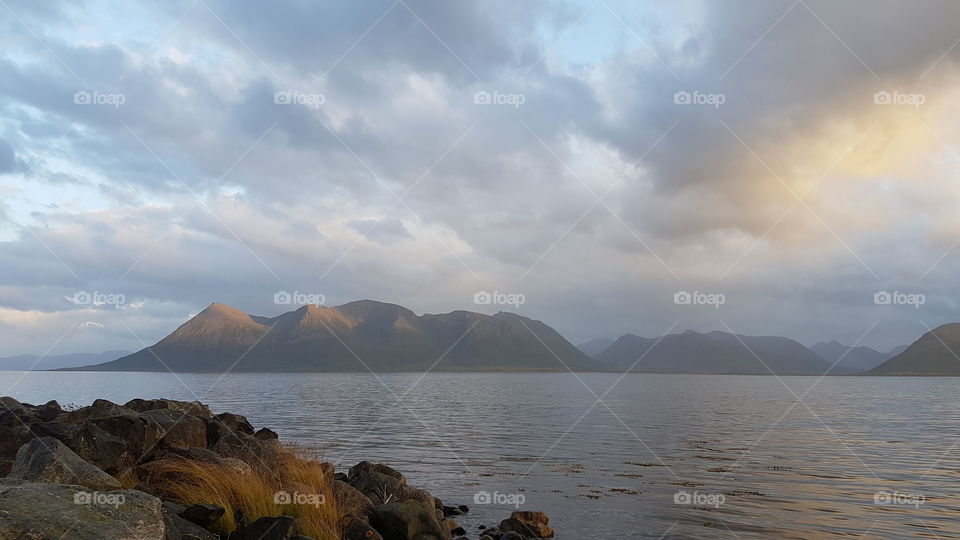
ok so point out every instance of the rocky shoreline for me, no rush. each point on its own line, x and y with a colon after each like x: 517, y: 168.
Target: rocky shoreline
x: 172, y: 470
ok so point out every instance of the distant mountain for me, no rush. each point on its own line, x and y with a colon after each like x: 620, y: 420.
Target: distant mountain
x: 714, y: 352
x: 595, y: 346
x: 353, y: 337
x: 857, y: 359
x: 26, y: 362
x: 935, y: 353
x: 896, y: 350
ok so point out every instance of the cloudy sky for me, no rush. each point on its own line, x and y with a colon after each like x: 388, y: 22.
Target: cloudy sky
x: 792, y: 159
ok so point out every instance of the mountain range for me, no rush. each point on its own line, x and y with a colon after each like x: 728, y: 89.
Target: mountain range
x: 934, y: 354
x: 369, y: 335
x: 857, y: 359
x: 714, y: 352
x: 356, y: 336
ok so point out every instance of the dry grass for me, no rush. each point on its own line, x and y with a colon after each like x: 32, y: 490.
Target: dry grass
x: 306, y: 480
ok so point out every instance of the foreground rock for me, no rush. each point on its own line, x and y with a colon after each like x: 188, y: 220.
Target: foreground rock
x: 408, y: 520
x: 529, y: 524
x: 34, y: 510
x: 48, y: 460
x: 65, y: 469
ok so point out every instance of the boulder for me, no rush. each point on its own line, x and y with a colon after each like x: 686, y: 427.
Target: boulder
x: 202, y: 455
x: 88, y: 441
x: 352, y: 501
x: 181, y: 529
x: 265, y: 434
x: 532, y: 524
x: 354, y: 528
x: 267, y: 528
x: 11, y: 439
x: 513, y: 536
x: 37, y: 510
x: 408, y: 520
x: 365, y: 467
x: 49, y: 411
x: 203, y: 515
x: 193, y: 408
x: 179, y: 429
x: 141, y: 434
x: 256, y: 453
x: 235, y: 422
x: 98, y: 409
x: 453, y: 528
x: 48, y: 460
x: 382, y: 488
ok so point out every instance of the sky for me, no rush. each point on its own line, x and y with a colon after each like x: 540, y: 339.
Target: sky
x: 763, y: 167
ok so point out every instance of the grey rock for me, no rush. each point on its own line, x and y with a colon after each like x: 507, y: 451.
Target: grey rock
x: 408, y: 520
x: 352, y: 501
x: 267, y: 528
x: 37, y: 510
x: 203, y: 515
x: 48, y: 460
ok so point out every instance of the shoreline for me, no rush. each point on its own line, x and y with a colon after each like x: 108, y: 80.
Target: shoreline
x: 165, y: 469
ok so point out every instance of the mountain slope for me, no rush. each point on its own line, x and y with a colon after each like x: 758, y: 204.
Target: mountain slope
x: 935, y: 353
x: 856, y: 359
x: 595, y: 346
x: 713, y: 352
x: 25, y: 362
x: 356, y: 336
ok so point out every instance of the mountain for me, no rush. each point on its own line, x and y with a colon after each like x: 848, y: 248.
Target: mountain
x: 595, y: 346
x: 354, y: 337
x: 27, y: 362
x: 856, y: 359
x: 935, y: 353
x: 714, y: 352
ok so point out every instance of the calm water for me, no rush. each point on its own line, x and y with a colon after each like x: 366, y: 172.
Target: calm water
x: 758, y: 462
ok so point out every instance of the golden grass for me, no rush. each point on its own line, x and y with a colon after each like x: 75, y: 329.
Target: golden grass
x: 308, y: 482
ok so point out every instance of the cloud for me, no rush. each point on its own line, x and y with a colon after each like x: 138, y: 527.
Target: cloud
x: 579, y: 182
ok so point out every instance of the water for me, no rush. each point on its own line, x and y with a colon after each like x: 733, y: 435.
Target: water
x: 759, y: 462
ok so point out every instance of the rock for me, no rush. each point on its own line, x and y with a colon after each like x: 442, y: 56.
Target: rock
x: 36, y: 510
x: 179, y: 429
x: 463, y: 508
x: 365, y: 467
x: 265, y: 434
x: 90, y: 442
x: 256, y: 453
x: 173, y: 507
x: 202, y: 455
x: 532, y: 524
x: 181, y: 529
x: 238, y: 466
x: 193, y: 408
x: 453, y: 528
x: 452, y: 511
x: 99, y: 409
x: 341, y: 477
x: 352, y: 501
x: 382, y: 488
x: 48, y: 460
x: 267, y: 528
x: 354, y: 528
x: 512, y: 536
x: 408, y: 520
x: 141, y: 434
x: 203, y: 515
x: 49, y: 411
x: 235, y: 422
x: 11, y: 439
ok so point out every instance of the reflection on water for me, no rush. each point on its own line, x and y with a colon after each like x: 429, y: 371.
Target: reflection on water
x: 668, y: 456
